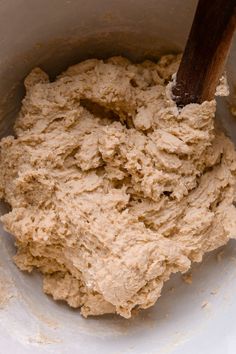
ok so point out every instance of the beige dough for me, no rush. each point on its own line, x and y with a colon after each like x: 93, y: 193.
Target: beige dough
x: 112, y: 188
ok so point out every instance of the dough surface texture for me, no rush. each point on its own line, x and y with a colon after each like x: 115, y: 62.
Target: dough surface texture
x: 112, y: 188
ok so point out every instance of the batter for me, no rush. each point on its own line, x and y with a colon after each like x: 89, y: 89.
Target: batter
x: 111, y: 187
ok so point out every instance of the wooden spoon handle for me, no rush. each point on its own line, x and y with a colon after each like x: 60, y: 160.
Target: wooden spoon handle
x: 206, y: 51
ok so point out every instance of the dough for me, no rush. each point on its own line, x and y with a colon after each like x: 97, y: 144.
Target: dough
x: 111, y: 187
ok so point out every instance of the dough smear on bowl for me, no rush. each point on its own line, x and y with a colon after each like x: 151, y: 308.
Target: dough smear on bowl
x: 111, y: 187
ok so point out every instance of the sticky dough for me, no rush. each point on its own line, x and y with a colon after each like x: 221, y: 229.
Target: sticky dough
x: 111, y: 187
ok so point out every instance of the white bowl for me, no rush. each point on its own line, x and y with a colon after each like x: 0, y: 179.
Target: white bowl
x: 193, y: 319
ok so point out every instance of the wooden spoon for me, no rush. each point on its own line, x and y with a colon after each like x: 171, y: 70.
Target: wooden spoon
x: 206, y: 51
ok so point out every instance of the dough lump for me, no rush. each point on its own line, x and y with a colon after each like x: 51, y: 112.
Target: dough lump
x: 111, y: 187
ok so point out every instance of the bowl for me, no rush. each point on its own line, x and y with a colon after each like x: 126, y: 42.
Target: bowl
x: 193, y: 318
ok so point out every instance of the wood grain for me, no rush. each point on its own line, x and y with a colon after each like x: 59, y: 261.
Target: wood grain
x: 206, y: 51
